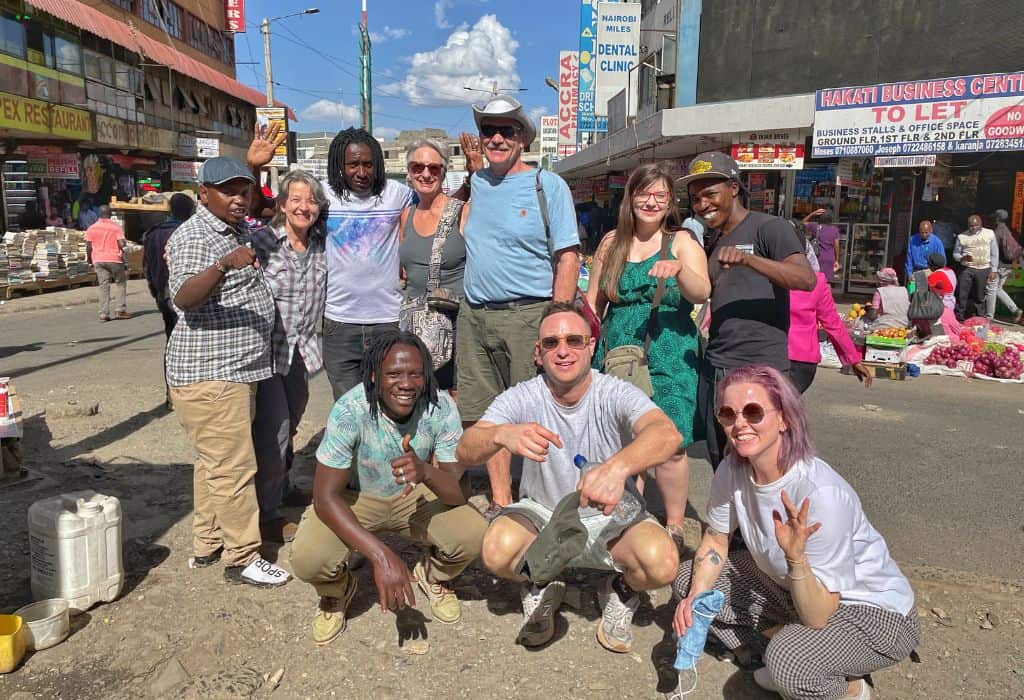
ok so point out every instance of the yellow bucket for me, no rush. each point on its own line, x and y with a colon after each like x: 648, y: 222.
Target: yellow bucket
x: 12, y: 642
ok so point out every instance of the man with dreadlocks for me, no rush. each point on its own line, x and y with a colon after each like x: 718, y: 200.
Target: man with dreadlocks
x: 363, y: 295
x: 390, y: 429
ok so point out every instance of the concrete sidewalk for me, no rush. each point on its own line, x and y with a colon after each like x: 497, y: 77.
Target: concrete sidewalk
x: 138, y: 299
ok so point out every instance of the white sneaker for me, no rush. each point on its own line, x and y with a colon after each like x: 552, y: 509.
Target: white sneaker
x: 615, y: 630
x: 260, y: 573
x: 539, y: 608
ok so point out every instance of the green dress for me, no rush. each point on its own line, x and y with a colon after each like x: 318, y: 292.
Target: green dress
x: 672, y: 358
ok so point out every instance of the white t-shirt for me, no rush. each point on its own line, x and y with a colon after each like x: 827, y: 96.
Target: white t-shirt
x: 362, y: 255
x: 847, y: 554
x: 597, y: 427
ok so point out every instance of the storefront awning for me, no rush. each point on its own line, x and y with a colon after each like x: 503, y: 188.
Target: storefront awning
x: 92, y: 20
x: 686, y: 131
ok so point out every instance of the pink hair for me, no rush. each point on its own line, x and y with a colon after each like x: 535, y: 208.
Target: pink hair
x: 796, y: 440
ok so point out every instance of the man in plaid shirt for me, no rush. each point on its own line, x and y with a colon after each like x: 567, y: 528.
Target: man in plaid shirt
x: 217, y: 352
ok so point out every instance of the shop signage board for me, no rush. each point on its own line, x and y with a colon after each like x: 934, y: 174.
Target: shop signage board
x: 904, y: 161
x: 192, y: 146
x: 568, y: 97
x: 111, y: 131
x: 185, y: 170
x: 148, y: 138
x: 234, y: 16
x: 268, y: 116
x: 1017, y: 217
x: 586, y: 119
x: 768, y: 156
x: 963, y: 114
x: 617, y: 50
x: 54, y: 166
x: 37, y: 117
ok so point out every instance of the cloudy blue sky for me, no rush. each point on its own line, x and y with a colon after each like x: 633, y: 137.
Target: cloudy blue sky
x: 424, y: 53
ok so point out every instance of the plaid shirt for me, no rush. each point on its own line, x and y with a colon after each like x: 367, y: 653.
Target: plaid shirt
x: 298, y: 282
x: 227, y: 337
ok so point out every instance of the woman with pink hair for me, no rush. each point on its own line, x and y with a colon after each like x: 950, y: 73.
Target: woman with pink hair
x: 816, y: 593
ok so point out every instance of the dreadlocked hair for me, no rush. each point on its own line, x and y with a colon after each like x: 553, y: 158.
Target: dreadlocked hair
x: 374, y: 358
x: 336, y: 160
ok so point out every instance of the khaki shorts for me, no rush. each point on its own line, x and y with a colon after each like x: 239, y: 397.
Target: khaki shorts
x: 495, y: 350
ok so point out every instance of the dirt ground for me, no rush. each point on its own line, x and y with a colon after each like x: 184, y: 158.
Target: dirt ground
x: 176, y: 632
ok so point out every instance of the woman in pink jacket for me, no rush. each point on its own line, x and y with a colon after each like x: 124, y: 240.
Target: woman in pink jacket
x: 806, y: 311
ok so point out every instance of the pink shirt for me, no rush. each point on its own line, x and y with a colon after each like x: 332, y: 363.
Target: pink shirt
x: 103, y: 236
x: 806, y: 310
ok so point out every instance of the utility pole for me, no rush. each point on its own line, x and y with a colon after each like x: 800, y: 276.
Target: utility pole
x: 365, y: 81
x: 268, y: 75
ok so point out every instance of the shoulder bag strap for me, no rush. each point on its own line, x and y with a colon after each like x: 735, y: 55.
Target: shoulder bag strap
x: 659, y: 292
x: 449, y: 216
x: 542, y: 204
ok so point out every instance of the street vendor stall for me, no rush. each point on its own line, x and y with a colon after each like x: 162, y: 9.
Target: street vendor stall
x: 138, y: 217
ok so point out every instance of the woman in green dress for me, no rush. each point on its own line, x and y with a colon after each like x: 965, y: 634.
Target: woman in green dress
x: 625, y: 274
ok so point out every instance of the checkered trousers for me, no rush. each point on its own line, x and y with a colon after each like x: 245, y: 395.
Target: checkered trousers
x: 806, y: 663
x: 227, y: 337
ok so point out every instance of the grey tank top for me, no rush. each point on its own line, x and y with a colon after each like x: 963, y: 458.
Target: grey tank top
x: 895, y: 306
x: 414, y: 254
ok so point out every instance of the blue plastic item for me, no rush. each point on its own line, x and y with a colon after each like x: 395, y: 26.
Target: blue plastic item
x: 691, y: 645
x: 913, y: 370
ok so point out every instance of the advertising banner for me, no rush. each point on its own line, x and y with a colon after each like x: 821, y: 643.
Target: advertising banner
x: 1017, y: 217
x: 185, y: 170
x: 617, y: 49
x: 111, y: 131
x: 568, y: 96
x: 191, y: 146
x: 234, y: 16
x: 267, y: 116
x: 55, y: 166
x: 904, y: 161
x: 586, y: 119
x: 768, y: 156
x: 24, y: 114
x: 965, y: 114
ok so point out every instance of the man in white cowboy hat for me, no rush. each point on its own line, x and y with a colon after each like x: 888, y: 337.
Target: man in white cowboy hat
x: 522, y: 251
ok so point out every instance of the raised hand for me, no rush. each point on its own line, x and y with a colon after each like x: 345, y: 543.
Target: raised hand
x: 265, y: 140
x: 472, y: 151
x: 792, y: 535
x: 408, y: 469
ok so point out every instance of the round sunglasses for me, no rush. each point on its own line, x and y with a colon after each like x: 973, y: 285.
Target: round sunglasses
x: 753, y: 413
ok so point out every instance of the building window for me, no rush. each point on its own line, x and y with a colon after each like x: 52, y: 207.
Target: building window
x: 68, y: 55
x: 39, y: 44
x: 164, y: 14
x: 128, y: 5
x: 12, y: 36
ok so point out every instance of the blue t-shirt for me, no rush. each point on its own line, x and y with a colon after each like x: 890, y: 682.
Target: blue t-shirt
x: 354, y: 437
x: 507, y: 253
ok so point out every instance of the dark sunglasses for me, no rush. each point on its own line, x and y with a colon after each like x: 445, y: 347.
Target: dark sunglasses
x: 507, y: 131
x: 753, y: 413
x: 433, y: 168
x: 576, y: 341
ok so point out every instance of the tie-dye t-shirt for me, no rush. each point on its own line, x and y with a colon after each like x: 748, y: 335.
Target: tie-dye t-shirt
x: 354, y: 437
x: 362, y: 255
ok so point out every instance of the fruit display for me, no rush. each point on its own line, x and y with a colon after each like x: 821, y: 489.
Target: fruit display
x: 990, y: 359
x: 894, y: 333
x: 856, y: 311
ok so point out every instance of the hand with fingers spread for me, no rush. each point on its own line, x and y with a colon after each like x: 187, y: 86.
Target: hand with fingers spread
x: 528, y: 440
x: 408, y: 469
x: 266, y: 140
x: 393, y: 581
x: 602, y: 487
x: 473, y: 152
x: 793, y: 533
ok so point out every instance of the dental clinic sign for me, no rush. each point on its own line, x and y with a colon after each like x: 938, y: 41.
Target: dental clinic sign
x: 617, y: 49
x: 949, y: 115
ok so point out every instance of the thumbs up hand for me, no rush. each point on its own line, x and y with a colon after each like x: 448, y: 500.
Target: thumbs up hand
x: 408, y: 469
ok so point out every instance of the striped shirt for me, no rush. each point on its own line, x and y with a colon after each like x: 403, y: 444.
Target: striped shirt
x: 298, y: 282
x: 227, y: 337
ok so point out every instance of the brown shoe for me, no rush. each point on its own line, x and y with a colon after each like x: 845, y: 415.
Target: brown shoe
x: 122, y: 316
x: 278, y: 530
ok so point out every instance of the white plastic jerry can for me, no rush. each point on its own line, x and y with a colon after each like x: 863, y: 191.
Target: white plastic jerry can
x: 75, y: 542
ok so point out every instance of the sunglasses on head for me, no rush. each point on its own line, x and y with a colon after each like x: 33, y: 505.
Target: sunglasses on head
x: 507, y: 131
x: 753, y: 413
x: 434, y: 169
x: 576, y: 341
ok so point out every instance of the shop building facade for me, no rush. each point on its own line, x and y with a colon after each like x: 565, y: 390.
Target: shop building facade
x: 754, y: 88
x: 136, y: 92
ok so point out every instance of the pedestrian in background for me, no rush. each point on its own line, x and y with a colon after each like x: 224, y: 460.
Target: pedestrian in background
x: 921, y: 247
x: 977, y: 250
x: 513, y: 244
x: 647, y: 249
x: 104, y: 246
x: 1009, y: 258
x: 826, y: 234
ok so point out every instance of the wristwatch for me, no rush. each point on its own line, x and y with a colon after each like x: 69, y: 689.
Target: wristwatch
x: 221, y: 267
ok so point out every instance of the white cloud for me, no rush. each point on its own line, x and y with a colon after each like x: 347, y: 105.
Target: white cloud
x: 385, y: 133
x: 475, y: 57
x: 388, y: 33
x: 536, y: 113
x: 328, y: 111
x: 441, y: 7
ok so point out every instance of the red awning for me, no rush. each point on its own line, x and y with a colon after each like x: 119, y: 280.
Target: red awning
x: 92, y: 20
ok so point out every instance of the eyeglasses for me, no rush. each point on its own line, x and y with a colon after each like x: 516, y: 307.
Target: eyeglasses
x: 434, y: 169
x: 507, y: 131
x: 576, y: 341
x: 753, y: 413
x: 645, y: 197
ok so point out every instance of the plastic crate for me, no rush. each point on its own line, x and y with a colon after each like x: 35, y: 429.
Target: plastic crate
x: 882, y: 342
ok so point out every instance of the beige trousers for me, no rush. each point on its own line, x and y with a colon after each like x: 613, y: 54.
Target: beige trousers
x: 454, y: 534
x: 218, y: 415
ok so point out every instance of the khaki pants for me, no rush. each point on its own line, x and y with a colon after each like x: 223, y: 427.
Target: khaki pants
x: 454, y: 534
x: 218, y: 415
x: 105, y: 274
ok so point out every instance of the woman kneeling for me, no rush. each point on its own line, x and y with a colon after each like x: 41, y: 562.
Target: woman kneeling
x: 816, y: 592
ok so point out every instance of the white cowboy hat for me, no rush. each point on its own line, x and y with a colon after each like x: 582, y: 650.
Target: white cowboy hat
x: 508, y: 108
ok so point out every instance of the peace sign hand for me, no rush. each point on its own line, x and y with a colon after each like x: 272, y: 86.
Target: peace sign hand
x: 792, y: 535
